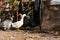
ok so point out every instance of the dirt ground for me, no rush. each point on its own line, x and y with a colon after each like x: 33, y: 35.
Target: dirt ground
x: 26, y: 35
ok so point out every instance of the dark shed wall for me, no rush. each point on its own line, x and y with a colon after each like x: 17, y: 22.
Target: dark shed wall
x: 51, y: 18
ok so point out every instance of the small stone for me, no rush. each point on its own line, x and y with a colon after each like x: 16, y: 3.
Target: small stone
x: 12, y: 37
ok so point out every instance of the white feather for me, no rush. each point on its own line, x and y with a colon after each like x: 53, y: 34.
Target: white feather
x: 18, y: 24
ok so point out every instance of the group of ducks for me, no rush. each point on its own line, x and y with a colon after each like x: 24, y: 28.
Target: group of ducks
x: 7, y: 24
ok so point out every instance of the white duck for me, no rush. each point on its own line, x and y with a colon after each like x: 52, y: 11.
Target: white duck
x: 18, y: 24
x: 6, y: 24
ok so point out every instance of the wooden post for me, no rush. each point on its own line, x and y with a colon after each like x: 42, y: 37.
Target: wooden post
x: 41, y: 13
x: 17, y: 14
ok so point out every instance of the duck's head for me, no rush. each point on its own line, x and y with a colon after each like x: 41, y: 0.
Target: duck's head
x: 23, y: 15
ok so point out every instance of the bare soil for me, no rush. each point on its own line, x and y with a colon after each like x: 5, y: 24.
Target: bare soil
x: 26, y: 35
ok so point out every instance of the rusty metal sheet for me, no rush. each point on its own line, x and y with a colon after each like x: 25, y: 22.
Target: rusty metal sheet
x: 55, y: 2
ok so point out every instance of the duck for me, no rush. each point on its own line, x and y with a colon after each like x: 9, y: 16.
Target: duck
x: 19, y: 23
x: 6, y: 24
